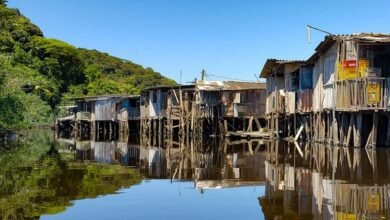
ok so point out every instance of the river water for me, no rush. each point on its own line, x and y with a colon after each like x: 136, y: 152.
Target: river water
x: 44, y: 176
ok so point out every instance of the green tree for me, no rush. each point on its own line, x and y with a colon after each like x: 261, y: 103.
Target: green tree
x: 55, y: 71
x: 59, y: 60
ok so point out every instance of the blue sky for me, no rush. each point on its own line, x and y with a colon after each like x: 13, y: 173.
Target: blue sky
x: 229, y: 38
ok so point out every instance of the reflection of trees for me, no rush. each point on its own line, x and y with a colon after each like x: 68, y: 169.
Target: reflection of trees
x: 35, y: 180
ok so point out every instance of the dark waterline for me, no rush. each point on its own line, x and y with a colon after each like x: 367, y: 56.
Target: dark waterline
x: 43, y: 176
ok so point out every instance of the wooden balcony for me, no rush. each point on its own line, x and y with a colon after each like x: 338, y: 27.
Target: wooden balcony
x: 369, y: 93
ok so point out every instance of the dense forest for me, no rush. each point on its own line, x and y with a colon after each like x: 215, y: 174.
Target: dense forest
x: 37, y: 74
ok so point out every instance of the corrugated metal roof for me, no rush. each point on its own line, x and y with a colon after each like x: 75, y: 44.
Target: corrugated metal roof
x: 331, y: 39
x: 379, y: 37
x: 103, y: 97
x: 228, y: 85
x: 170, y: 87
x: 271, y: 63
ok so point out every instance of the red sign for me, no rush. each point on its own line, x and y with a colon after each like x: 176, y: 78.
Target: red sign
x: 349, y: 64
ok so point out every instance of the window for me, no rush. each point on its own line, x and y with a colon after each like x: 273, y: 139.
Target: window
x: 154, y: 97
x: 306, y: 77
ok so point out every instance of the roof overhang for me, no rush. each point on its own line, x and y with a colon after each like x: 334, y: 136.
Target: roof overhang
x: 104, y: 97
x: 206, y: 85
x: 277, y: 66
x: 330, y: 40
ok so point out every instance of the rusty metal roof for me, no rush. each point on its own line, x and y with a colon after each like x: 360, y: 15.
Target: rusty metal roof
x: 228, y: 85
x: 270, y: 64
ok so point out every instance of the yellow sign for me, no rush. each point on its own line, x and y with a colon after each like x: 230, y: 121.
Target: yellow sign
x: 363, y: 67
x: 347, y: 69
x: 374, y: 93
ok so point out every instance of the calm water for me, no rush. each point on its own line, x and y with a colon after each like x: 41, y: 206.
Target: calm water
x: 43, y: 176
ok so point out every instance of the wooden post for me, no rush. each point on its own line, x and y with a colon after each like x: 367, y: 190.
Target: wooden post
x: 110, y: 127
x: 277, y: 126
x: 374, y: 129
x: 358, y: 130
x: 349, y: 132
x: 387, y: 143
x: 335, y: 130
x: 97, y: 130
x: 295, y: 123
x: 258, y: 124
x: 342, y: 128
x: 225, y: 124
x: 250, y: 124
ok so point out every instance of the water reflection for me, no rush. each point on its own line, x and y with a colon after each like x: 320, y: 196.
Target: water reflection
x: 37, y: 177
x: 211, y: 163
x: 326, y: 183
x: 47, y: 174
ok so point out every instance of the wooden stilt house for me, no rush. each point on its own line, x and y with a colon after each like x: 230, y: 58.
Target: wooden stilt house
x: 128, y: 114
x: 283, y: 91
x: 339, y: 95
x: 350, y: 89
x: 102, y: 116
x: 165, y: 108
x: 229, y: 106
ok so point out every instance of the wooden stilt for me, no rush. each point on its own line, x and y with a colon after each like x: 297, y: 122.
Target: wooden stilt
x: 349, y: 132
x: 335, y: 131
x: 387, y: 142
x: 358, y: 129
x: 374, y: 129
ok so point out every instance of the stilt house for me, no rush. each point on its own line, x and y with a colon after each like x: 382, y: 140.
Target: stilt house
x: 223, y: 106
x: 161, y: 106
x: 284, y: 90
x: 341, y: 90
x: 350, y: 89
x: 105, y: 113
x: 128, y: 114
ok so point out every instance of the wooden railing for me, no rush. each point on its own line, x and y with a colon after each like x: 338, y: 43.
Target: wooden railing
x: 369, y: 93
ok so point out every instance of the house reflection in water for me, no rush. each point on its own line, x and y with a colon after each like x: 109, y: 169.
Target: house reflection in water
x: 326, y: 183
x: 113, y: 152
x: 210, y: 163
x: 241, y: 164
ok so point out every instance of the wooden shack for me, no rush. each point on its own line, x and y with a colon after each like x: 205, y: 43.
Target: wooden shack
x: 164, y: 108
x: 284, y: 92
x: 105, y: 115
x: 339, y: 95
x: 128, y: 114
x: 350, y: 89
x: 180, y: 110
x: 229, y: 106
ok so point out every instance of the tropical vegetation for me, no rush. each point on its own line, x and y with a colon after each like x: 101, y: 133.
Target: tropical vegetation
x: 37, y: 74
